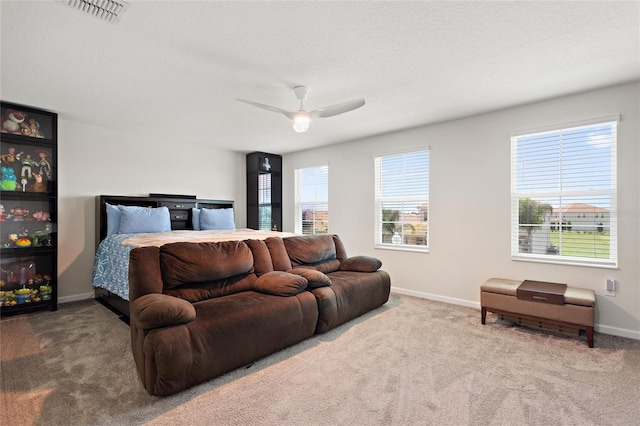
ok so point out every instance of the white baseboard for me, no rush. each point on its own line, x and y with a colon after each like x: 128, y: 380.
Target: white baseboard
x: 76, y: 297
x: 437, y: 297
x: 617, y: 331
x: 605, y: 329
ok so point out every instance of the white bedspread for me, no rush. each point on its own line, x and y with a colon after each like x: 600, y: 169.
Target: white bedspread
x: 160, y: 238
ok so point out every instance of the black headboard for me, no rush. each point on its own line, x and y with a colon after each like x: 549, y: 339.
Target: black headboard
x: 179, y: 209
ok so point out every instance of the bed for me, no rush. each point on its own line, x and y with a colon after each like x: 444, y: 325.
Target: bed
x: 178, y: 219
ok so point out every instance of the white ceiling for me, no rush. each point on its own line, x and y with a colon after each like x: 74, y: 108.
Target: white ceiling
x: 174, y: 68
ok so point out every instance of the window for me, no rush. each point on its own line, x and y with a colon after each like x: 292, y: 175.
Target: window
x: 563, y: 195
x: 312, y: 200
x: 402, y: 201
x: 264, y: 201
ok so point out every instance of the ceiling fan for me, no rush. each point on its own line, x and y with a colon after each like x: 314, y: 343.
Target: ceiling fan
x: 301, y: 118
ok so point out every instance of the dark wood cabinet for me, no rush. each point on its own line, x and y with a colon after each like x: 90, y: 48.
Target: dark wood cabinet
x: 28, y: 209
x: 264, y: 191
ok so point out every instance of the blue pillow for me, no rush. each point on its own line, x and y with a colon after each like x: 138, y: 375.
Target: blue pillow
x: 113, y: 219
x: 195, y: 218
x: 135, y: 220
x: 211, y: 219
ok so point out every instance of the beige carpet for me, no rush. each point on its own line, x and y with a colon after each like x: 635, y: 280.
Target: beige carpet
x: 411, y: 362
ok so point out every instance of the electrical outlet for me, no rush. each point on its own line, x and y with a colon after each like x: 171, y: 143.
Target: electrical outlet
x: 610, y: 287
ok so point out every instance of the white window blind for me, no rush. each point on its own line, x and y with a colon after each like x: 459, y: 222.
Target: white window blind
x: 563, y: 195
x: 402, y: 201
x: 312, y: 200
x: 264, y: 201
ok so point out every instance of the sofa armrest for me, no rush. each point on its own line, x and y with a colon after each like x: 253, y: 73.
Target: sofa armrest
x: 160, y: 310
x: 279, y: 283
x: 361, y: 264
x: 314, y: 277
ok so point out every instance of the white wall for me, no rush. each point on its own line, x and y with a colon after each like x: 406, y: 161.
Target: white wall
x: 97, y: 161
x: 470, y: 204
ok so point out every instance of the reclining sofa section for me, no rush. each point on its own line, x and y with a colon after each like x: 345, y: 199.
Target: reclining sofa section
x: 199, y: 310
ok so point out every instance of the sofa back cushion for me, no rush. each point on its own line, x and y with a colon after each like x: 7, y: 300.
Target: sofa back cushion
x: 341, y: 252
x: 278, y: 253
x: 261, y: 257
x: 192, y: 263
x: 317, y: 251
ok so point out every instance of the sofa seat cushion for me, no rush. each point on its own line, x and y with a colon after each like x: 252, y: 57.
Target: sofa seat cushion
x: 228, y: 332
x: 350, y: 295
x: 279, y: 283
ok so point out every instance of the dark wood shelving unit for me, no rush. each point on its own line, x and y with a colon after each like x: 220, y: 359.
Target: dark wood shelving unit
x: 28, y: 216
x: 264, y: 191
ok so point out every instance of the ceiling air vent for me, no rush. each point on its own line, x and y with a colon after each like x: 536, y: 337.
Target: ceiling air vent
x: 106, y: 10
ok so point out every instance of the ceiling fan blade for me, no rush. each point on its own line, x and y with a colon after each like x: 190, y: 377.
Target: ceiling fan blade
x: 332, y: 110
x: 268, y: 107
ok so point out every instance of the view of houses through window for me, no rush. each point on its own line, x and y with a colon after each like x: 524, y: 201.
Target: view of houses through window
x: 312, y: 200
x: 564, y: 194
x: 402, y: 200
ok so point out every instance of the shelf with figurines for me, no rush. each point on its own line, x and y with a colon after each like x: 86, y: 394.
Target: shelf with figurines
x: 25, y: 282
x: 26, y: 168
x: 28, y: 209
x: 21, y: 122
x: 26, y: 223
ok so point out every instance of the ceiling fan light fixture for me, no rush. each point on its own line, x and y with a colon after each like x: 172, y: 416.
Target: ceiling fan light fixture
x: 302, y: 118
x: 301, y: 123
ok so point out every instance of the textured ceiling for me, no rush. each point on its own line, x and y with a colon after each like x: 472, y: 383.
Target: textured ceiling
x: 174, y: 69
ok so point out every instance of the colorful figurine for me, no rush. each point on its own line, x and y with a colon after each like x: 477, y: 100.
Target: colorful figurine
x: 38, y: 185
x: 9, y: 179
x: 42, y: 216
x: 18, y: 214
x: 9, y: 158
x: 27, y: 165
x: 43, y: 164
x: 33, y: 129
x: 13, y: 121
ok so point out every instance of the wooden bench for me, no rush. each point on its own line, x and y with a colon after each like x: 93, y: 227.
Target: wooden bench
x: 500, y: 296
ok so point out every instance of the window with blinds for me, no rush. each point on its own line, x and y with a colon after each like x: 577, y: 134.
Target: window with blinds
x: 312, y: 200
x: 402, y: 201
x: 264, y: 202
x: 563, y: 195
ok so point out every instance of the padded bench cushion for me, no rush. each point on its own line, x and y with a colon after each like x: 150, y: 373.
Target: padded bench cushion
x: 572, y: 296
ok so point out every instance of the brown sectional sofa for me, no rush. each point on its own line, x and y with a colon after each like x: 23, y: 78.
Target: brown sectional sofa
x: 199, y: 310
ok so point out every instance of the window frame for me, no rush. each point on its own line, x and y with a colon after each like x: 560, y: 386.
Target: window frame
x: 572, y: 196
x: 380, y: 200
